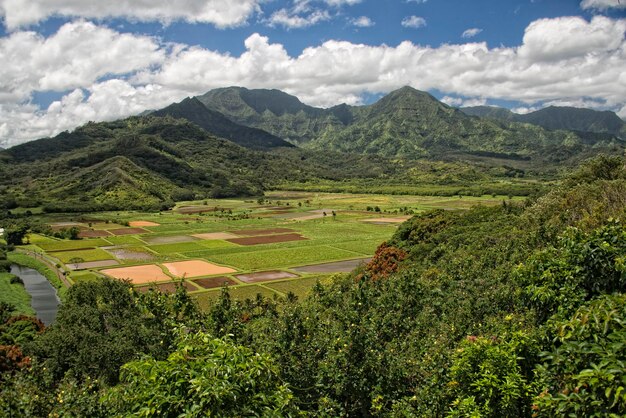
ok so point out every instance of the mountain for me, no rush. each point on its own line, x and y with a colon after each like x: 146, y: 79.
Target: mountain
x: 406, y: 123
x: 554, y: 117
x: 145, y: 162
x: 276, y: 112
x: 217, y: 124
x: 493, y: 112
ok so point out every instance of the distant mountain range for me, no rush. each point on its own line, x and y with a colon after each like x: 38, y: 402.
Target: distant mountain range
x: 406, y: 123
x: 553, y: 117
x: 234, y: 141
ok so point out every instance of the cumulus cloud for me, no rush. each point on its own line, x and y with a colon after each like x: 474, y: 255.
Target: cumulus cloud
x: 471, y: 32
x: 221, y: 13
x: 602, y: 4
x: 362, y: 22
x: 567, y: 37
x: 413, y: 22
x: 109, y: 82
x: 290, y: 20
x: 77, y: 55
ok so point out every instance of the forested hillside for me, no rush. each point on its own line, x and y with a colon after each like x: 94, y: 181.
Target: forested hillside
x: 150, y: 162
x: 406, y: 123
x: 557, y: 117
x: 509, y: 311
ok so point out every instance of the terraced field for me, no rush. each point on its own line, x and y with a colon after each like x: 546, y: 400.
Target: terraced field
x: 208, y: 243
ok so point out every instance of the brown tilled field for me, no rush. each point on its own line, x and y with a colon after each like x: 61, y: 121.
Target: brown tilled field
x: 255, y: 232
x: 147, y: 273
x: 90, y: 233
x: 213, y: 282
x: 196, y: 268
x: 267, y: 239
x: 167, y: 287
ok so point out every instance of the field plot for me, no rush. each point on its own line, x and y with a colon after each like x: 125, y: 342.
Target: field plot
x: 215, y: 236
x: 92, y: 264
x: 128, y: 231
x: 336, y: 267
x: 267, y: 239
x: 131, y: 253
x: 91, y: 233
x: 196, y: 268
x: 176, y: 248
x: 147, y: 273
x: 277, y: 258
x: 396, y: 220
x: 167, y: 287
x: 95, y: 254
x: 214, y: 282
x: 171, y: 239
x: 265, y: 276
x: 69, y: 245
x: 136, y: 224
x: 257, y: 232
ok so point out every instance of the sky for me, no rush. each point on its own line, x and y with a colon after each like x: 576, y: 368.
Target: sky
x: 66, y: 62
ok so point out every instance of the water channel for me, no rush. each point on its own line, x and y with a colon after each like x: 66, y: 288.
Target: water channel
x: 44, y: 300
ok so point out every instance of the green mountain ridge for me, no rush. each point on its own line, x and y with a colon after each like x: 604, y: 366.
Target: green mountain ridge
x: 142, y: 162
x: 557, y: 117
x: 217, y: 124
x: 406, y: 123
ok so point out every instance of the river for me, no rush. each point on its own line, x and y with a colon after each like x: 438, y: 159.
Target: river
x: 44, y: 300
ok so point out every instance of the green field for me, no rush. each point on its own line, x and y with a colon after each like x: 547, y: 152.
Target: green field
x: 66, y: 245
x: 85, y: 255
x: 344, y: 236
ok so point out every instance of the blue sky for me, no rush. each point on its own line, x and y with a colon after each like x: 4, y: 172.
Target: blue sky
x: 70, y: 62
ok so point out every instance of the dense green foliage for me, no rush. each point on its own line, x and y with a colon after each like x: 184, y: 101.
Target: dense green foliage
x: 556, y: 117
x: 405, y: 123
x: 508, y: 311
x: 217, y: 124
x: 150, y: 162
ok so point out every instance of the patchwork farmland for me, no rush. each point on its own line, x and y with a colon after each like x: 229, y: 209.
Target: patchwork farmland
x: 279, y: 244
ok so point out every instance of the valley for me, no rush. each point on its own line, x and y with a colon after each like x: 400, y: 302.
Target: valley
x: 282, y: 243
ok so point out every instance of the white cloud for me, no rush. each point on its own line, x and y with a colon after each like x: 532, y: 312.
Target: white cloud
x: 471, y: 32
x: 461, y: 102
x: 568, y: 37
x: 417, y: 1
x: 77, y: 55
x: 362, y: 22
x: 221, y: 13
x: 290, y: 20
x: 522, y: 110
x: 603, y: 4
x: 108, y: 82
x: 413, y: 22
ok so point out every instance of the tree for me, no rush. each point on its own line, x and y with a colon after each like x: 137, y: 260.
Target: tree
x: 204, y: 376
x: 99, y: 327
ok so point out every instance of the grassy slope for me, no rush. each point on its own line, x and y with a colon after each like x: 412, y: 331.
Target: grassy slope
x: 15, y: 294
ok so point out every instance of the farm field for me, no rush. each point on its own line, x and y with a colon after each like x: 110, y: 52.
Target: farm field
x: 271, y: 246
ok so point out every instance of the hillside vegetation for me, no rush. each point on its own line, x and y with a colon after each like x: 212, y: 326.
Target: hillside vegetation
x: 405, y: 123
x: 508, y: 311
x: 557, y: 117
